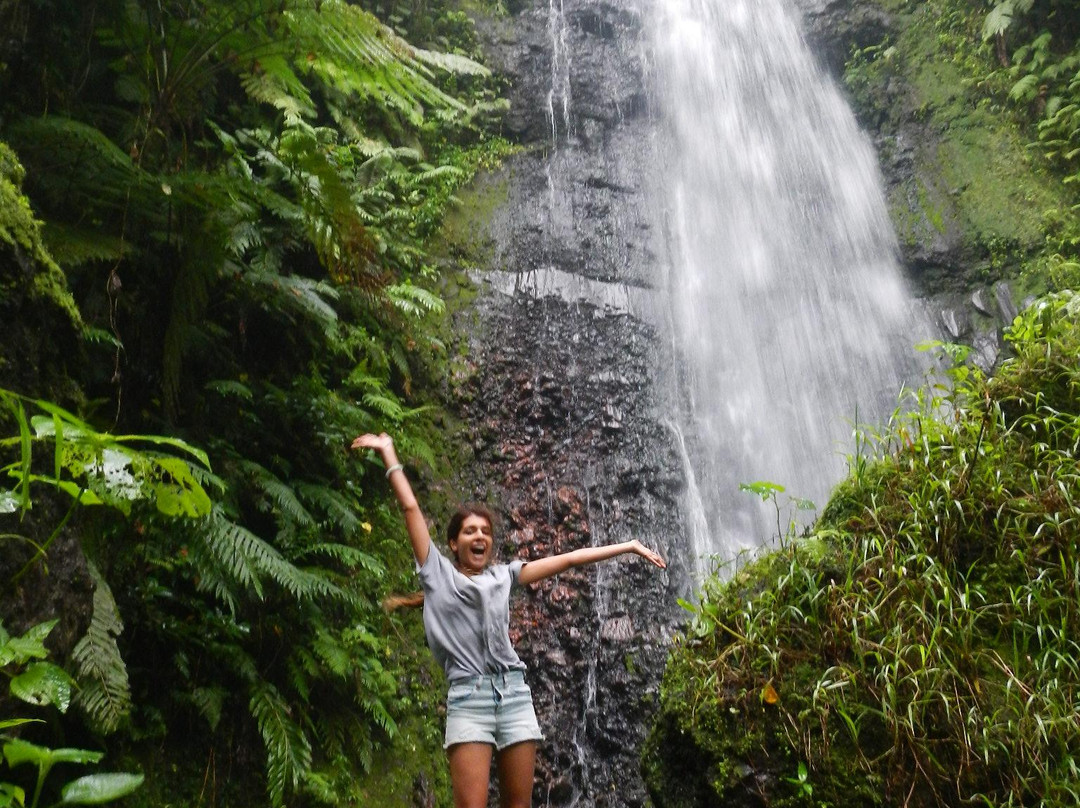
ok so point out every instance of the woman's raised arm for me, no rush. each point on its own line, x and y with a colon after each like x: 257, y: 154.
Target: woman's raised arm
x: 543, y: 568
x: 399, y: 483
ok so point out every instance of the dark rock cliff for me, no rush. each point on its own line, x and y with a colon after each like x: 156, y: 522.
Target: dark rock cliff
x: 559, y: 396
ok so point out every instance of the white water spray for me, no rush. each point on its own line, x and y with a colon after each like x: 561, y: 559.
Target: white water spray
x: 789, y: 313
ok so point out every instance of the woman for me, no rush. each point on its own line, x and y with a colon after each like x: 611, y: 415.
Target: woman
x: 466, y: 619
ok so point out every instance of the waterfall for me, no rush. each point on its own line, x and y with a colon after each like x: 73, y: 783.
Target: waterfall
x: 789, y: 316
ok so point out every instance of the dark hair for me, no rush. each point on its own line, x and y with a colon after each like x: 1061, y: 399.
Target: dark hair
x: 464, y: 511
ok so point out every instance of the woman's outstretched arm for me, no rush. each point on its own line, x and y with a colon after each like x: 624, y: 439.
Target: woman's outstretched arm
x: 399, y: 483
x: 552, y: 565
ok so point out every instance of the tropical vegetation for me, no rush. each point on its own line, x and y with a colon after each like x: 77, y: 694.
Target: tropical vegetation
x: 214, y: 271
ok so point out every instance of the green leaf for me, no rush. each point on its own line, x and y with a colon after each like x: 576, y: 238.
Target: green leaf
x: 998, y: 20
x: 95, y: 789
x: 30, y: 645
x: 10, y: 795
x: 18, y: 722
x: 105, y: 693
x: 762, y: 488
x: 18, y: 751
x: 178, y: 493
x: 43, y: 683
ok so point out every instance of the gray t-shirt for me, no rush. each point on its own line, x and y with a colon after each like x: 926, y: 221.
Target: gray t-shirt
x: 467, y: 617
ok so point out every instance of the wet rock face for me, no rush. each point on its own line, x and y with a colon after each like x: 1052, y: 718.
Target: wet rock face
x: 560, y: 402
x: 565, y: 473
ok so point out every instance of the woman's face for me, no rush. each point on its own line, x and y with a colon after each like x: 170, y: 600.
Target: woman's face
x: 472, y: 547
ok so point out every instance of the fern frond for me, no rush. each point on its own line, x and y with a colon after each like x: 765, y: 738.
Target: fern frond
x: 73, y: 246
x: 96, y: 171
x: 282, y: 495
x: 235, y: 559
x: 413, y: 300
x: 385, y: 406
x: 350, y: 556
x: 230, y: 387
x: 210, y: 701
x: 451, y: 63
x: 105, y: 692
x: 335, y: 505
x: 288, y: 750
x: 224, y: 555
x: 1025, y: 89
x: 274, y: 82
x: 304, y: 295
x: 332, y: 653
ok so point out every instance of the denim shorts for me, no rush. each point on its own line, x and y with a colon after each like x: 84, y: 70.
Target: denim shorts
x: 496, y: 709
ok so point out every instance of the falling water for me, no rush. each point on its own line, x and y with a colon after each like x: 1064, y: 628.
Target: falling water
x: 789, y: 314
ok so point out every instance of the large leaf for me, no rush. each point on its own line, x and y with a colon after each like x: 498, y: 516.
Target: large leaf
x: 95, y: 789
x: 43, y: 683
x: 18, y: 751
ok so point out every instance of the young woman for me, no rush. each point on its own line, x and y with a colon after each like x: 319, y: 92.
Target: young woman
x: 466, y: 618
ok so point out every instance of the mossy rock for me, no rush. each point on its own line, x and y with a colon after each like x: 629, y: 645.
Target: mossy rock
x: 969, y: 199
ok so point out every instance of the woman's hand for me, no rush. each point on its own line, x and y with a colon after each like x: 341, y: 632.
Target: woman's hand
x: 647, y: 554
x: 380, y: 442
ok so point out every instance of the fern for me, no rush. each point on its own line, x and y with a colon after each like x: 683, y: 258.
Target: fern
x: 209, y: 701
x: 73, y: 246
x: 288, y: 750
x: 385, y: 406
x: 231, y: 388
x: 232, y: 559
x: 338, y: 509
x: 282, y: 495
x: 105, y: 693
x: 414, y: 301
x: 1025, y: 89
x: 332, y: 653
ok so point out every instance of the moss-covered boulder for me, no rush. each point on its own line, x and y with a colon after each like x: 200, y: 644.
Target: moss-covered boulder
x: 41, y: 321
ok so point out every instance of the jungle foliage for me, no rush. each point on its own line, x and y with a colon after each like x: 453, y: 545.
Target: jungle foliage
x: 919, y: 646
x: 229, y: 204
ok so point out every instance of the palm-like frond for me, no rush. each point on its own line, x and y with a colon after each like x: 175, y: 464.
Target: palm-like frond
x: 277, y: 493
x: 231, y: 560
x: 105, y: 693
x: 288, y: 750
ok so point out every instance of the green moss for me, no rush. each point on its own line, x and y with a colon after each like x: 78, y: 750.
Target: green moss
x: 20, y: 231
x: 465, y: 235
x: 975, y: 181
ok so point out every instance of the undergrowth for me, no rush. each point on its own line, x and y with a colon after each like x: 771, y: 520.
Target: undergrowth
x: 921, y: 644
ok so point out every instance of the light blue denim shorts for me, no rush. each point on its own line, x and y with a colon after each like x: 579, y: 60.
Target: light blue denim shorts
x: 496, y: 709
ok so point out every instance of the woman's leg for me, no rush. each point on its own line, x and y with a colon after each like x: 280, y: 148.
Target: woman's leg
x: 470, y: 773
x: 516, y: 766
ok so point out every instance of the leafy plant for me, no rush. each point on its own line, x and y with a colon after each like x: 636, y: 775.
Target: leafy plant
x: 920, y: 642
x: 43, y: 684
x: 240, y: 199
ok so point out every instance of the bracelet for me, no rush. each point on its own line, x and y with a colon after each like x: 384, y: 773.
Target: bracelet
x: 393, y: 468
